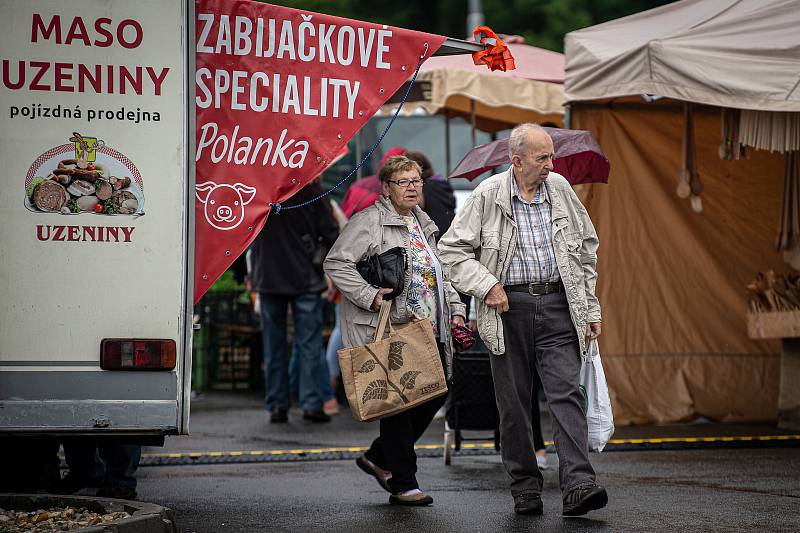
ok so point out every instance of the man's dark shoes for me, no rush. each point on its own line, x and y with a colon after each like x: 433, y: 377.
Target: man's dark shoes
x: 581, y: 500
x: 316, y: 416
x: 121, y: 493
x: 278, y: 416
x: 528, y: 504
x: 381, y: 476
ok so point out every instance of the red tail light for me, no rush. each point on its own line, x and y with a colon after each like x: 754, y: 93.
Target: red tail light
x: 137, y: 354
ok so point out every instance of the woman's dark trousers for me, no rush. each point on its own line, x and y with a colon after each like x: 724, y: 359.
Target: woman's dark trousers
x: 393, y: 450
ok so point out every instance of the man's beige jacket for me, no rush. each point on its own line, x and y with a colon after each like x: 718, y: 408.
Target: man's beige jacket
x: 477, y: 249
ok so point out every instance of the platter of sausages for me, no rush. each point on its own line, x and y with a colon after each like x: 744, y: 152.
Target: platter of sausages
x: 59, y: 183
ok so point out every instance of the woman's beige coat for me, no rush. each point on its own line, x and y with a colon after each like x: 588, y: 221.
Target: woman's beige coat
x: 373, y: 231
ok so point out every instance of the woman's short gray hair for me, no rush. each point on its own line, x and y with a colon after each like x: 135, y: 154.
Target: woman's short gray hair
x: 516, y: 141
x: 395, y: 164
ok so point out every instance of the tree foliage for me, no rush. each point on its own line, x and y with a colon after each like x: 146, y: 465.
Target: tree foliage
x: 543, y: 23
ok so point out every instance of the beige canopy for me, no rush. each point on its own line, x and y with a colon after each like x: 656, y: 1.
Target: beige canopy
x: 672, y: 277
x: 743, y: 54
x: 533, y: 92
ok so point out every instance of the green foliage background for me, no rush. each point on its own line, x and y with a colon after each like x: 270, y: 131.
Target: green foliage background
x: 543, y: 23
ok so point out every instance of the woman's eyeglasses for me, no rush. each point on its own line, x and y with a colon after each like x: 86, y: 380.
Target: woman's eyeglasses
x: 405, y: 183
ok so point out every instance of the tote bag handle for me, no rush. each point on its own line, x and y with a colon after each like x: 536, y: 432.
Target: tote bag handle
x: 383, y: 321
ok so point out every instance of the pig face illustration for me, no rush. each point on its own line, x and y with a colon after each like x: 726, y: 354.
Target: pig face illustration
x: 224, y: 203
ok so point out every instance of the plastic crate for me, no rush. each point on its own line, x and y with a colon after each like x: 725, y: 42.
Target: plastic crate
x: 235, y: 358
x: 226, y: 307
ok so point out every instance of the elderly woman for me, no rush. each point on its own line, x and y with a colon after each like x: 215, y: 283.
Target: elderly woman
x: 395, y: 220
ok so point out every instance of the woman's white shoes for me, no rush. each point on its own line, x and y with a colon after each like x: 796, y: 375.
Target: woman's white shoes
x: 381, y: 476
x: 413, y: 498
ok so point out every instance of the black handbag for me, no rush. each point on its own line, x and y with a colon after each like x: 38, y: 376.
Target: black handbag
x: 386, y: 270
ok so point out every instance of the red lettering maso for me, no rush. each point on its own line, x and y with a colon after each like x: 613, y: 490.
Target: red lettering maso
x: 128, y: 32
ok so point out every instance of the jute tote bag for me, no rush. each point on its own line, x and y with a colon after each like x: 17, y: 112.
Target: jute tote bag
x: 391, y: 375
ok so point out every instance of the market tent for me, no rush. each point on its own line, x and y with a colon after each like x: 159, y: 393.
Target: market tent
x: 672, y: 281
x: 743, y: 54
x: 453, y: 85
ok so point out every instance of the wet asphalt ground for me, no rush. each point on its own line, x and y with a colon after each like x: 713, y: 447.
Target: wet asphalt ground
x: 705, y: 489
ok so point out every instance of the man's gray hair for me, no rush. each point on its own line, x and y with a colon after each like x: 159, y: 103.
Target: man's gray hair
x: 516, y: 141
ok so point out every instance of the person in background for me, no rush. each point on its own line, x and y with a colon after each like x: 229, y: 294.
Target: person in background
x: 335, y: 340
x: 329, y: 404
x: 332, y: 349
x: 366, y: 191
x: 109, y: 464
x: 439, y: 201
x: 287, y: 271
x: 329, y: 367
x: 83, y: 466
x: 119, y: 462
x: 396, y: 220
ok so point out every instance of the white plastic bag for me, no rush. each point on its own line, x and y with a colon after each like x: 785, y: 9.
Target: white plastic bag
x: 598, y: 405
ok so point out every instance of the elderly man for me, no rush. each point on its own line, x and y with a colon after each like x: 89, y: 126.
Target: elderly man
x: 524, y: 246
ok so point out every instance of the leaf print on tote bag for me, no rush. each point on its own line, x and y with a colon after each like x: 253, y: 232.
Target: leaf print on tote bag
x: 367, y: 367
x: 408, y: 379
x: 396, y: 355
x: 375, y: 391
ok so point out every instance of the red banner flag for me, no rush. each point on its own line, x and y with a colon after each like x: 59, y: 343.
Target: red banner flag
x: 279, y: 92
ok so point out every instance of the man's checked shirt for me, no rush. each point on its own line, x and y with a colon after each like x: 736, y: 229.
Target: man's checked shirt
x: 534, y: 260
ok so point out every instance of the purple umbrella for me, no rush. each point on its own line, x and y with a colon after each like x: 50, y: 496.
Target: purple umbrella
x: 578, y: 157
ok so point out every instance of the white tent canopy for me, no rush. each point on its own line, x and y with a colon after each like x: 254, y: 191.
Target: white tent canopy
x: 742, y: 54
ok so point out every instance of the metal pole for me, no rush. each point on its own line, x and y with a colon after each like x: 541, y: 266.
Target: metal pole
x: 474, y: 16
x: 472, y: 122
x: 447, y: 143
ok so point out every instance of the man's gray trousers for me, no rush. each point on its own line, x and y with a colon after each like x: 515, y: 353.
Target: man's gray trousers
x: 539, y: 336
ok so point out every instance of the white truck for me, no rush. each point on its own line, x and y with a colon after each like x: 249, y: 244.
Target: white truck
x: 96, y: 217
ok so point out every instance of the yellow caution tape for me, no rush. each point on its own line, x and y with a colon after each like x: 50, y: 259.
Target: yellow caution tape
x: 470, y: 445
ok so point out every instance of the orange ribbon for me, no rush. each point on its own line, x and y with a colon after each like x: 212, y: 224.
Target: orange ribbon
x: 496, y: 55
